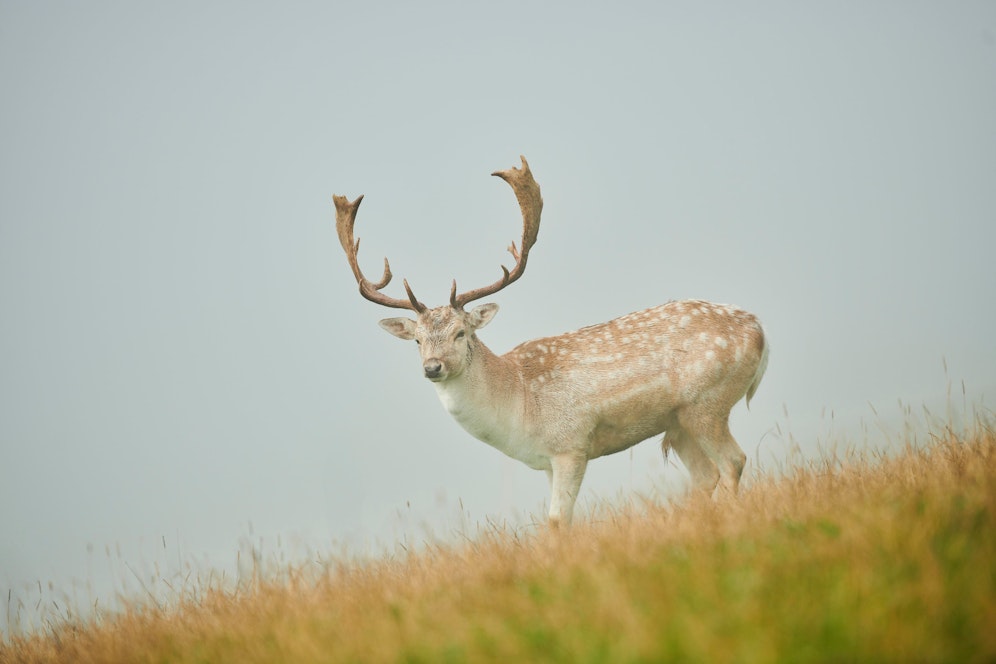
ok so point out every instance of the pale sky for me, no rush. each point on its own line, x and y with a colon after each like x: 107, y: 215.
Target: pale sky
x: 186, y: 367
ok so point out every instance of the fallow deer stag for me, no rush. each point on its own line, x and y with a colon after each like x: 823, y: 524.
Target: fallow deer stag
x: 556, y: 403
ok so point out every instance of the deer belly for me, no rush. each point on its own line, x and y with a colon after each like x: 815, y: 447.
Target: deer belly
x: 612, y: 437
x: 620, y: 431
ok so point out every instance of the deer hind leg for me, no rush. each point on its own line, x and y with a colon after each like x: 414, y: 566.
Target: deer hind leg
x: 712, y: 436
x: 705, y: 474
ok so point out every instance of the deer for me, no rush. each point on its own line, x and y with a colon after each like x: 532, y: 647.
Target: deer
x: 556, y: 403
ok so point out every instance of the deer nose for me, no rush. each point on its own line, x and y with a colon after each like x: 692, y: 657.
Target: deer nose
x: 433, y: 368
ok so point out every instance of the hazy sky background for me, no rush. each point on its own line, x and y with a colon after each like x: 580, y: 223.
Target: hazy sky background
x: 186, y: 365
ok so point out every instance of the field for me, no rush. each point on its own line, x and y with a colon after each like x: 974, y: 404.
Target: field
x: 874, y: 557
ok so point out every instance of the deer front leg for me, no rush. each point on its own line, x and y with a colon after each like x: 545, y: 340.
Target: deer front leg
x: 566, y: 473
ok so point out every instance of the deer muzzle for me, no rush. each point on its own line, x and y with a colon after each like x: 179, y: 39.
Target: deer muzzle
x: 433, y: 368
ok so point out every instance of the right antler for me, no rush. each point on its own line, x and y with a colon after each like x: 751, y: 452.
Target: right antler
x: 528, y: 194
x: 345, y: 217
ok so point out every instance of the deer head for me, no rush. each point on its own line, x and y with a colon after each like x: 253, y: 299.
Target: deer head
x: 445, y: 334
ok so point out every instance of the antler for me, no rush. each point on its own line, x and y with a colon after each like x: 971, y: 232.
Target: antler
x: 528, y: 194
x: 345, y: 217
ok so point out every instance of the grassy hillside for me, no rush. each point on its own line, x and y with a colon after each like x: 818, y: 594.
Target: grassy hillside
x: 865, y: 559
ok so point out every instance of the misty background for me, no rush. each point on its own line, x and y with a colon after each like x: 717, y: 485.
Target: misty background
x: 187, y: 370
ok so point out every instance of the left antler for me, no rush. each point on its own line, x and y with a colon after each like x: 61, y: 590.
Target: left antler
x: 528, y: 194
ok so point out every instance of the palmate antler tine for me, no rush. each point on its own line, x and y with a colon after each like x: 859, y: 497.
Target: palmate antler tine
x: 527, y: 192
x: 345, y: 218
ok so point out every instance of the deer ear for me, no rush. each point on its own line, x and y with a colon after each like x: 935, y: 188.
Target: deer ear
x: 402, y: 328
x: 482, y: 315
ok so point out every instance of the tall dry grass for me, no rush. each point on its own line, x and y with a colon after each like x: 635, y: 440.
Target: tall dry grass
x: 861, y: 558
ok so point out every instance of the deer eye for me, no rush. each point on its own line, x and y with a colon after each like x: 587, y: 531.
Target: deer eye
x: 460, y: 335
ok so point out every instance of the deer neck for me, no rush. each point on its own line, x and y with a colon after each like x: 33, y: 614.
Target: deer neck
x: 486, y: 398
